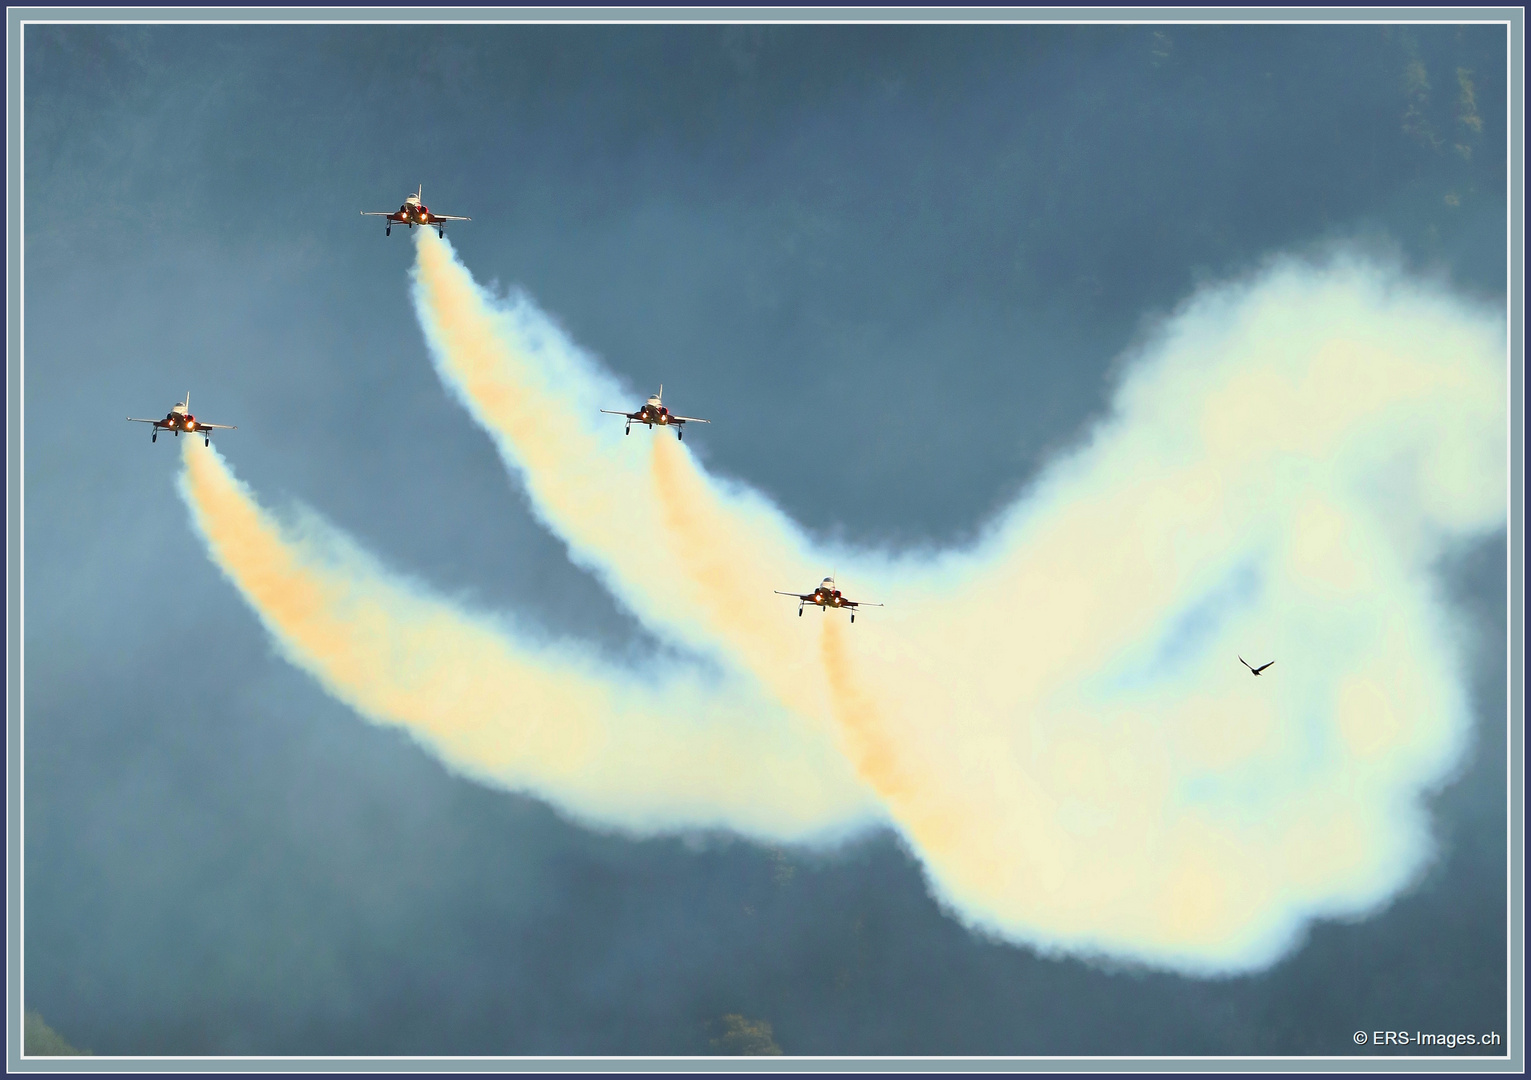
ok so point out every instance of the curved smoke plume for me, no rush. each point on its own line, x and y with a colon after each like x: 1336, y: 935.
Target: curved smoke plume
x: 1054, y: 718
x: 672, y: 749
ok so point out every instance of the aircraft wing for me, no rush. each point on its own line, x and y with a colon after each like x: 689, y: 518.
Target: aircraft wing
x: 799, y: 596
x: 136, y: 420
x: 619, y: 412
x: 449, y: 217
x: 689, y: 419
x: 377, y: 213
x: 225, y: 427
x: 858, y: 603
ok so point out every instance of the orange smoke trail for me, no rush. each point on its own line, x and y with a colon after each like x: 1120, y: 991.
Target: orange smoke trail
x: 646, y: 754
x: 468, y: 336
x: 709, y: 579
x: 502, y: 379
x: 540, y: 400
x: 870, y: 747
x: 730, y: 570
x: 872, y: 744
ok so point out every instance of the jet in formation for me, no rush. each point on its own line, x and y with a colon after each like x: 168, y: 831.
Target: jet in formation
x: 826, y: 596
x: 653, y: 412
x: 1252, y: 668
x: 179, y: 419
x: 414, y: 212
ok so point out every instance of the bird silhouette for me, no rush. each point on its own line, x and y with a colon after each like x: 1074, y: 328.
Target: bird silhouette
x: 1253, y: 669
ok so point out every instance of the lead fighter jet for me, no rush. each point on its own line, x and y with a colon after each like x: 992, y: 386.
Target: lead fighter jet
x: 826, y: 596
x: 412, y: 213
x: 179, y: 419
x: 653, y: 412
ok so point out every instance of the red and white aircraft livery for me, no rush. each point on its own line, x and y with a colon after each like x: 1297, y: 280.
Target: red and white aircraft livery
x: 412, y: 213
x: 653, y: 412
x: 826, y: 596
x: 179, y: 419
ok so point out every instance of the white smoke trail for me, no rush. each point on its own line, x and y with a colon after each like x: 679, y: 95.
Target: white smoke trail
x: 1056, y: 719
x: 1284, y: 467
x: 666, y: 540
x: 673, y: 749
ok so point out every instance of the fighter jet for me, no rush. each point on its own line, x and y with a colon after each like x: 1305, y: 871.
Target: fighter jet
x: 1255, y: 670
x: 179, y: 419
x: 653, y: 412
x: 826, y: 596
x: 412, y: 213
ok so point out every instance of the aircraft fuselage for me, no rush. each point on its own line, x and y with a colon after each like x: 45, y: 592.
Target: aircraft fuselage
x: 413, y: 213
x: 827, y: 598
x: 177, y: 422
x: 650, y: 413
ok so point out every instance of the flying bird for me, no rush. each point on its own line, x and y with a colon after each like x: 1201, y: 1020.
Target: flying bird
x: 1255, y: 670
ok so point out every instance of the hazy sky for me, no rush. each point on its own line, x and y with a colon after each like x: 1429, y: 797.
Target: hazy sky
x: 898, y: 266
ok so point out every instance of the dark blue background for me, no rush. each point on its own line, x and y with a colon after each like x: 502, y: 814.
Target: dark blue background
x: 896, y: 264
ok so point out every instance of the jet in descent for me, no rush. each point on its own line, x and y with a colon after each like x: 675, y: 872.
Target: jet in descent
x: 826, y: 596
x: 653, y: 412
x: 1252, y: 668
x: 412, y: 213
x: 179, y: 419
